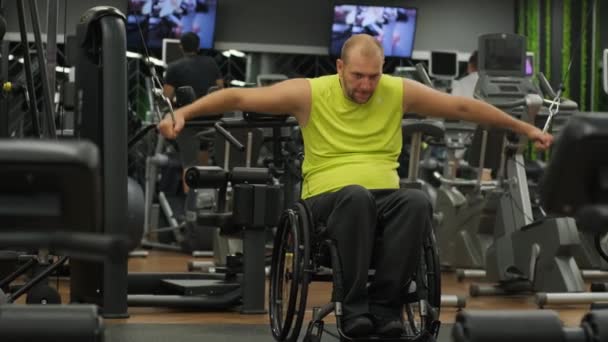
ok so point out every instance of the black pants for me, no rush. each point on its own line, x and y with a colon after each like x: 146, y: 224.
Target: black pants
x: 378, y: 228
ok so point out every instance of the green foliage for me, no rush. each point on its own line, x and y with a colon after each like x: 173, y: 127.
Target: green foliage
x: 548, y: 18
x: 521, y: 16
x: 533, y: 32
x: 600, y: 100
x: 566, y: 45
x: 583, y: 103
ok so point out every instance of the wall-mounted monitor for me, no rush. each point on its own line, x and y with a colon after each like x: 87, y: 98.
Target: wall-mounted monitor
x: 171, y: 50
x: 529, y: 63
x: 443, y: 64
x: 394, y: 27
x: 605, y: 70
x: 502, y: 54
x: 160, y: 19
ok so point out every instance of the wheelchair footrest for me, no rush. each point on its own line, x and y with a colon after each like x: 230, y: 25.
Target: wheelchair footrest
x: 197, y: 287
x: 435, y: 326
x: 314, y: 331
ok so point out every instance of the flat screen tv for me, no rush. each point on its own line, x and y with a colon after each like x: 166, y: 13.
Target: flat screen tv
x: 160, y: 19
x: 443, y: 64
x: 172, y: 50
x: 394, y: 27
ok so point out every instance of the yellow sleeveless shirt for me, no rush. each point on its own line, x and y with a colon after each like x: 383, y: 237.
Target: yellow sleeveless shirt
x: 346, y: 143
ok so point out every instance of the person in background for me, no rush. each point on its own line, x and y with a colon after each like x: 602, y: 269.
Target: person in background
x: 466, y: 85
x: 201, y: 73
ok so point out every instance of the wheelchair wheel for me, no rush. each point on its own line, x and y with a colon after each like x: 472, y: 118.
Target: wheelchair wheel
x: 289, y: 276
x: 423, y: 304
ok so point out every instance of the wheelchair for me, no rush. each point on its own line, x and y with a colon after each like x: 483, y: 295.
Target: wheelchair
x: 299, y: 255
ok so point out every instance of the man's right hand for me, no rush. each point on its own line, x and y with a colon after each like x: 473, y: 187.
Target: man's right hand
x: 170, y: 129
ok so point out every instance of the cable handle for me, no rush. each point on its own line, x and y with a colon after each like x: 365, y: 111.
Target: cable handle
x: 557, y: 102
x: 158, y: 94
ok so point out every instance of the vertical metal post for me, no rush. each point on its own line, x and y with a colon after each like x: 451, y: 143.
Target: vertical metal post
x: 482, y: 159
x: 27, y: 62
x: 4, y: 130
x: 413, y: 165
x: 249, y: 148
x: 254, y: 240
x: 114, y: 138
x: 595, y: 5
x: 52, y: 11
x: 49, y: 113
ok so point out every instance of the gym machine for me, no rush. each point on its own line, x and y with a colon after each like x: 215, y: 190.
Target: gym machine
x: 525, y: 256
x: 574, y: 184
x: 49, y: 201
x: 466, y: 207
x: 42, y: 124
x: 527, y: 326
x: 101, y: 117
x: 248, y: 211
x: 458, y: 216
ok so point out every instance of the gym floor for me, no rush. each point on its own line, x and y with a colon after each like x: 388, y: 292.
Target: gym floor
x: 319, y: 293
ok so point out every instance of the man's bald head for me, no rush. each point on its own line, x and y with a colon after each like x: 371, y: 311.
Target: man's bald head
x: 362, y: 44
x: 360, y: 67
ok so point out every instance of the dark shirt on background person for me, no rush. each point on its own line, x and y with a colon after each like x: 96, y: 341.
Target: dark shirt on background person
x: 198, y: 71
x: 201, y: 73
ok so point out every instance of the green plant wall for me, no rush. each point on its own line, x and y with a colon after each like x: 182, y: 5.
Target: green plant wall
x: 584, y: 48
x: 529, y: 25
x: 576, y: 42
x: 566, y: 45
x: 533, y: 30
x: 600, y: 100
x: 547, y: 32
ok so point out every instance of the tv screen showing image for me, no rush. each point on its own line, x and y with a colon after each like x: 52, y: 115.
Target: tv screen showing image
x: 160, y: 19
x: 394, y: 27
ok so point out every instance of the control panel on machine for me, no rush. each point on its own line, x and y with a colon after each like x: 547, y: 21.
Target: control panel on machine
x: 501, y: 88
x: 503, y: 80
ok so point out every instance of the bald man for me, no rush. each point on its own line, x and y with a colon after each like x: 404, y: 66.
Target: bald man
x: 351, y: 124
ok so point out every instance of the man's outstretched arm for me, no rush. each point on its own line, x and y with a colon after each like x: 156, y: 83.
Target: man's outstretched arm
x: 287, y: 97
x: 423, y: 100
